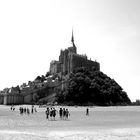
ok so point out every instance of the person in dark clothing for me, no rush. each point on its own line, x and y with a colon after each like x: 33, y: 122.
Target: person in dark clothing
x: 54, y: 113
x: 47, y: 113
x: 87, y: 112
x: 11, y: 108
x: 24, y: 110
x: 51, y: 113
x: 28, y: 111
x: 67, y: 114
x: 32, y: 110
x: 64, y: 113
x: 21, y: 110
x: 60, y: 113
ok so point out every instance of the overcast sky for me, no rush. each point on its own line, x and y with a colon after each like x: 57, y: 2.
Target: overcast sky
x: 32, y: 32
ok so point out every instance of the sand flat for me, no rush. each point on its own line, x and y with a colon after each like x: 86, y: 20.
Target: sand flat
x: 103, y: 123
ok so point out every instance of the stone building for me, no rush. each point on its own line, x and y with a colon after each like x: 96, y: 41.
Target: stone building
x: 13, y: 98
x: 69, y: 61
x: 1, y: 98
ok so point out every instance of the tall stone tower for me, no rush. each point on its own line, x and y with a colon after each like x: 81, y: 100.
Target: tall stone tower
x: 65, y: 57
x: 69, y: 61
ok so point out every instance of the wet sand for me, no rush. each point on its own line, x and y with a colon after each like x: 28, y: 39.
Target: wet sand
x: 104, y: 123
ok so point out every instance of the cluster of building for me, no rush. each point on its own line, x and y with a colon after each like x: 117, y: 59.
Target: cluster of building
x: 59, y: 72
x: 69, y: 61
x: 23, y: 94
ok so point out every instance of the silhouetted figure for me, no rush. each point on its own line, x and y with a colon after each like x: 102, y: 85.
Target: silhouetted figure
x: 54, y: 113
x: 11, y: 108
x: 47, y: 113
x: 21, y: 110
x: 60, y: 113
x: 87, y: 112
x: 28, y: 111
x: 51, y: 113
x: 32, y: 110
x: 24, y: 110
x: 64, y: 113
x: 67, y: 114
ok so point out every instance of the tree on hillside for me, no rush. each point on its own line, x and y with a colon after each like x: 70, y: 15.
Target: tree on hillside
x: 93, y: 86
x: 40, y: 78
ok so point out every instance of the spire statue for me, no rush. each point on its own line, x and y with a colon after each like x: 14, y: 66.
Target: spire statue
x: 72, y: 39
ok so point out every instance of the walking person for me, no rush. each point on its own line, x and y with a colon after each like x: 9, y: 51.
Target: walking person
x: 47, y: 113
x: 24, y: 110
x: 60, y: 113
x: 21, y: 110
x: 32, y: 110
x: 87, y: 112
x: 28, y: 111
x: 54, y: 113
x: 51, y: 113
x: 64, y: 113
x: 67, y: 114
x: 11, y: 107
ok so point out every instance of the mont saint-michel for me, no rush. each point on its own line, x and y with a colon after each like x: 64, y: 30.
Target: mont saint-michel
x: 73, y: 79
x: 69, y: 61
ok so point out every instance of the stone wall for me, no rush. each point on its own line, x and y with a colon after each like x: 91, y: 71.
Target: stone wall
x: 78, y: 62
x: 69, y: 60
x: 28, y: 98
x: 1, y: 99
x: 13, y: 99
x: 55, y: 67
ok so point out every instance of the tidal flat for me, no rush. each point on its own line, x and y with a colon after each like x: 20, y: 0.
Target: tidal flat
x: 103, y: 123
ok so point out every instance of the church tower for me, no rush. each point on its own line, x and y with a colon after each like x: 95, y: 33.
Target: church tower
x: 73, y: 44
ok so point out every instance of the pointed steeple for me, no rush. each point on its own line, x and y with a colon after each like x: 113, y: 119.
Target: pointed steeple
x: 73, y: 44
x: 72, y: 38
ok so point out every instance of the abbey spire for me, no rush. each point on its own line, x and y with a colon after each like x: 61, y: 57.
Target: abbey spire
x: 72, y: 39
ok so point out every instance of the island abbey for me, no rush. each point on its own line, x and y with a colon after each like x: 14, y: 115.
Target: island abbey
x: 69, y: 61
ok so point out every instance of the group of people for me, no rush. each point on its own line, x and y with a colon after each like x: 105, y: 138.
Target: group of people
x: 27, y: 110
x: 12, y: 108
x: 51, y: 113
